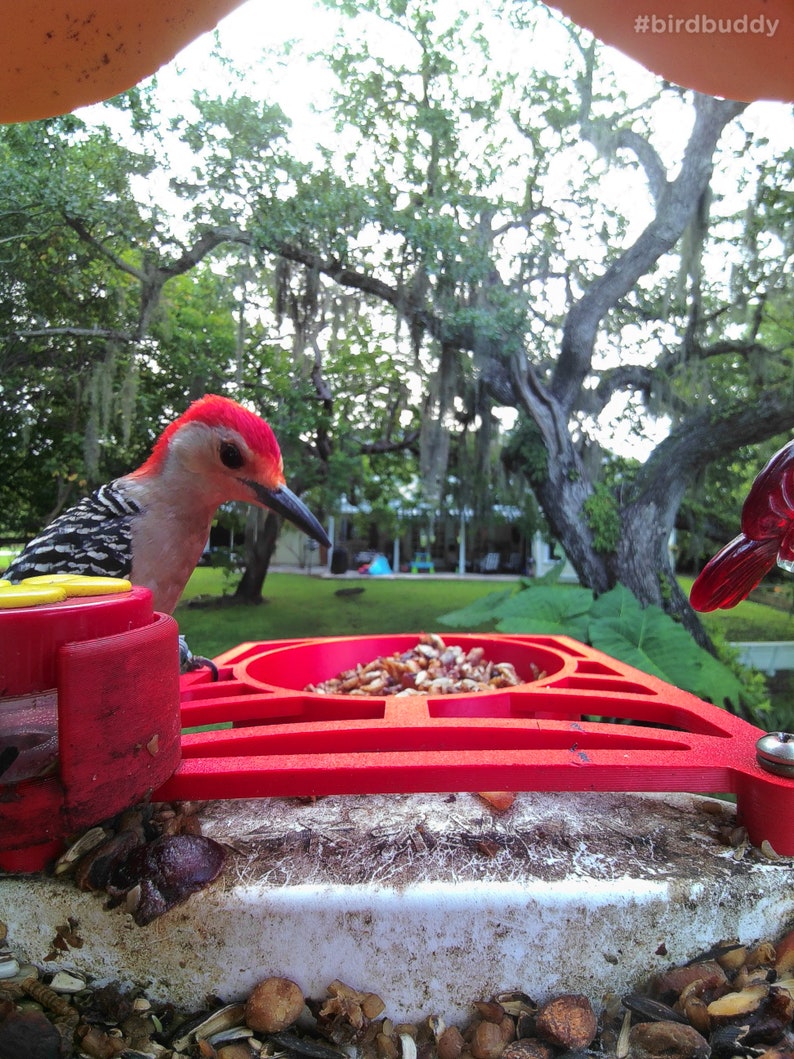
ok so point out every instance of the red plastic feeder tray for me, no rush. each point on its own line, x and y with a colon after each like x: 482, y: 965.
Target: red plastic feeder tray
x: 89, y: 717
x: 555, y: 733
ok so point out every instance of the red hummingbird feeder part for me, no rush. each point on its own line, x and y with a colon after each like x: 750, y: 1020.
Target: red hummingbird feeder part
x: 766, y: 539
x: 588, y: 723
x: 89, y: 716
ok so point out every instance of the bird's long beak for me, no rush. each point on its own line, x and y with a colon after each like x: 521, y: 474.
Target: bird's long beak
x: 284, y: 502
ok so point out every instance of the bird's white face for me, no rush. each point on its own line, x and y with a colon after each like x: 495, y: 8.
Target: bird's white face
x: 219, y: 465
x: 206, y: 466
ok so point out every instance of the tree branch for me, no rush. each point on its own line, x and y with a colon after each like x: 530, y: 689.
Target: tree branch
x: 674, y: 211
x: 81, y: 229
x: 637, y: 377
x: 634, y: 377
x: 210, y: 240
x: 706, y: 436
x: 105, y: 333
x: 338, y: 272
x: 409, y: 441
x: 607, y: 140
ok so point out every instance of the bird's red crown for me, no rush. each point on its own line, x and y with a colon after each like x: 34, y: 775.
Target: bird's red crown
x: 218, y: 411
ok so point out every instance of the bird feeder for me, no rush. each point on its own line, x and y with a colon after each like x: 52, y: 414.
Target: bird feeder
x: 93, y: 704
x: 89, y: 709
x: 553, y: 732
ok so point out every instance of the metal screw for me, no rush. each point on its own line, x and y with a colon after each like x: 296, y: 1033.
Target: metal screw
x: 775, y: 753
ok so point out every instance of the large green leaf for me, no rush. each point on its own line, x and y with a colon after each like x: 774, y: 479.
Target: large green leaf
x: 650, y: 640
x: 547, y: 611
x: 716, y: 682
x: 535, y: 609
x: 642, y: 644
x: 480, y: 612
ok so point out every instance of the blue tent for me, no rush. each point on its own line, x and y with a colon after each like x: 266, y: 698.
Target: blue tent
x: 379, y: 566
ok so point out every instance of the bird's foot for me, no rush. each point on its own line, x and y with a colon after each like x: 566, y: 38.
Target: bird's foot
x: 188, y: 662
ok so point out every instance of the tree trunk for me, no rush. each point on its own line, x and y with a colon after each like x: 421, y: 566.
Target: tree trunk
x: 647, y: 508
x: 562, y: 497
x: 261, y: 533
x: 643, y: 515
x: 644, y: 563
x: 641, y: 561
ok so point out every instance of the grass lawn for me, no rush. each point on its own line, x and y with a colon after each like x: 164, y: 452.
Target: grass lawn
x: 297, y: 606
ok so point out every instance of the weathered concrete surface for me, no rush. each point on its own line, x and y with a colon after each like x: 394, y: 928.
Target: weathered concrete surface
x: 432, y: 901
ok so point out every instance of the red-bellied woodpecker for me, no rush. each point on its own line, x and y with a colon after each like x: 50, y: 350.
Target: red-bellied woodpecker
x: 152, y: 525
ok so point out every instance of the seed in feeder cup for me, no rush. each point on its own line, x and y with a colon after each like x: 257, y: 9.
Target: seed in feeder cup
x: 273, y: 1005
x: 731, y: 1006
x: 732, y: 957
x: 672, y: 1040
x: 567, y: 1021
x: 490, y: 1010
x: 450, y: 1043
x: 236, y: 1050
x: 669, y: 985
x: 489, y: 1040
x: 762, y: 955
x: 784, y: 954
x: 528, y: 1048
x: 695, y: 1009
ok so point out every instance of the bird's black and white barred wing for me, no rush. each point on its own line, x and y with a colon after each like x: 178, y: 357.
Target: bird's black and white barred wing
x: 92, y: 538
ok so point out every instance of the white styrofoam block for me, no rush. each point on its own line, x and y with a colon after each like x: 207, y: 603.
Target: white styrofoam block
x: 576, y: 892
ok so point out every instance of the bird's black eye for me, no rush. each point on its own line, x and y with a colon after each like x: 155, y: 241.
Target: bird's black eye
x: 231, y: 456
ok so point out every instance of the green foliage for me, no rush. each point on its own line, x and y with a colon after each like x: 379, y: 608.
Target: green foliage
x: 651, y: 640
x: 551, y: 611
x: 616, y: 623
x: 755, y: 692
x: 229, y: 564
x: 95, y: 359
x: 523, y: 452
x: 665, y: 586
x: 602, y: 512
x: 463, y: 193
x: 68, y: 377
x: 711, y: 511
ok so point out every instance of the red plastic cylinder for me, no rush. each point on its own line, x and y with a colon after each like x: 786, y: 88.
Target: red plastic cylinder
x: 31, y: 636
x: 89, y: 704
